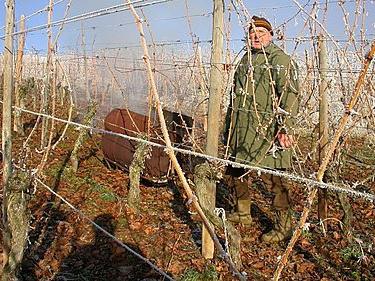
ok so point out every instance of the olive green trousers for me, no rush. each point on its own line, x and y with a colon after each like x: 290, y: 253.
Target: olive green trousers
x: 278, y: 186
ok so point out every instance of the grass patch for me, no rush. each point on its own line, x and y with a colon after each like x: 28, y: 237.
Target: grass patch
x: 352, y: 252
x: 209, y: 274
x: 77, y: 182
x: 105, y: 193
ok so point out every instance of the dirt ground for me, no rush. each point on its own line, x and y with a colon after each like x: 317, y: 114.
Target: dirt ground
x: 167, y: 231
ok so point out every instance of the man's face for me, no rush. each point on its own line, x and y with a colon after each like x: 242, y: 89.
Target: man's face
x: 259, y: 37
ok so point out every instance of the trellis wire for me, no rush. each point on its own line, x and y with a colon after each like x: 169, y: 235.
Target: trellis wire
x: 209, y: 41
x: 81, y: 214
x: 308, y: 181
x: 93, y: 14
x: 45, y: 9
x: 314, y: 3
x: 311, y: 182
x: 220, y: 212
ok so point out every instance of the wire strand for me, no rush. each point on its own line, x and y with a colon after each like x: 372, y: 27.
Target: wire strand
x: 310, y: 182
x: 208, y: 41
x: 118, y: 241
x: 45, y: 9
x: 309, y: 5
x: 93, y: 14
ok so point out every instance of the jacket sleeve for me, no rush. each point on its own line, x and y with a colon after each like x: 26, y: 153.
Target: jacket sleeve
x: 285, y: 76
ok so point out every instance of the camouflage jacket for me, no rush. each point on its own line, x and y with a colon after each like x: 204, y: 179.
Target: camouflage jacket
x: 264, y: 101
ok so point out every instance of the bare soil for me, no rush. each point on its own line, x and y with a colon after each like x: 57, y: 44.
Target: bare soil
x: 64, y: 246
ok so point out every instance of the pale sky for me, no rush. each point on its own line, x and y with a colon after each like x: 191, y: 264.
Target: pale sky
x: 168, y: 23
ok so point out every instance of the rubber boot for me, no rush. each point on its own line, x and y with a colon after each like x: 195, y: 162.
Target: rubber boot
x: 282, y: 229
x: 243, y: 213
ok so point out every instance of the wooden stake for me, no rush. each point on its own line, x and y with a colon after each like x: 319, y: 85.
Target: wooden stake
x: 323, y: 166
x: 7, y: 131
x: 46, y: 91
x: 51, y: 132
x: 18, y: 124
x: 323, y: 123
x: 135, y: 171
x: 169, y: 149
x: 85, y: 72
x: 216, y: 89
x: 82, y: 136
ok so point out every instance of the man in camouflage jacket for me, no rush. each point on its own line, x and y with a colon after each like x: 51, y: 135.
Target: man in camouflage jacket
x: 259, y: 123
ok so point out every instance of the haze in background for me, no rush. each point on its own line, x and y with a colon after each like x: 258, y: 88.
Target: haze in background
x: 167, y: 22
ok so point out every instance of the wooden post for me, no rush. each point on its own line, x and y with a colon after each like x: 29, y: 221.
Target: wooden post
x: 87, y: 121
x: 216, y: 90
x: 135, y: 171
x: 46, y: 91
x: 85, y: 72
x: 18, y: 124
x: 323, y: 122
x: 7, y: 130
x: 169, y: 148
x: 323, y: 166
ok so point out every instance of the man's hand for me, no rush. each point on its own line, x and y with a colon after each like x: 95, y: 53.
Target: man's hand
x: 285, y: 140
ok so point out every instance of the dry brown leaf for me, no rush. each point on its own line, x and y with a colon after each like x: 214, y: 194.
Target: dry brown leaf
x: 176, y: 268
x: 149, y: 230
x: 305, y: 243
x: 135, y: 225
x: 336, y: 235
x: 369, y: 214
x: 303, y: 267
x: 258, y: 265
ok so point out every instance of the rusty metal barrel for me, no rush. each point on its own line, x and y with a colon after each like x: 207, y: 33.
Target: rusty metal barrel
x: 119, y: 150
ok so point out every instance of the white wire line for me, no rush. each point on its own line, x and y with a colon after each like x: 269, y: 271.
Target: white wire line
x: 220, y: 212
x: 107, y: 11
x: 207, y: 14
x: 118, y: 241
x: 299, y: 39
x: 93, y: 14
x: 173, y: 66
x: 307, y: 5
x: 45, y: 9
x: 124, y: 24
x: 188, y: 63
x: 310, y: 182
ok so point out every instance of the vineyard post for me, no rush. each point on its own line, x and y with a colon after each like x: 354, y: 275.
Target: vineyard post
x: 18, y: 124
x: 47, y: 82
x: 85, y: 72
x: 213, y: 122
x: 323, y: 122
x: 323, y: 166
x: 7, y: 130
x: 170, y: 151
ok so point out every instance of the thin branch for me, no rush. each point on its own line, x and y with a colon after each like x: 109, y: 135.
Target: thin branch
x: 170, y: 151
